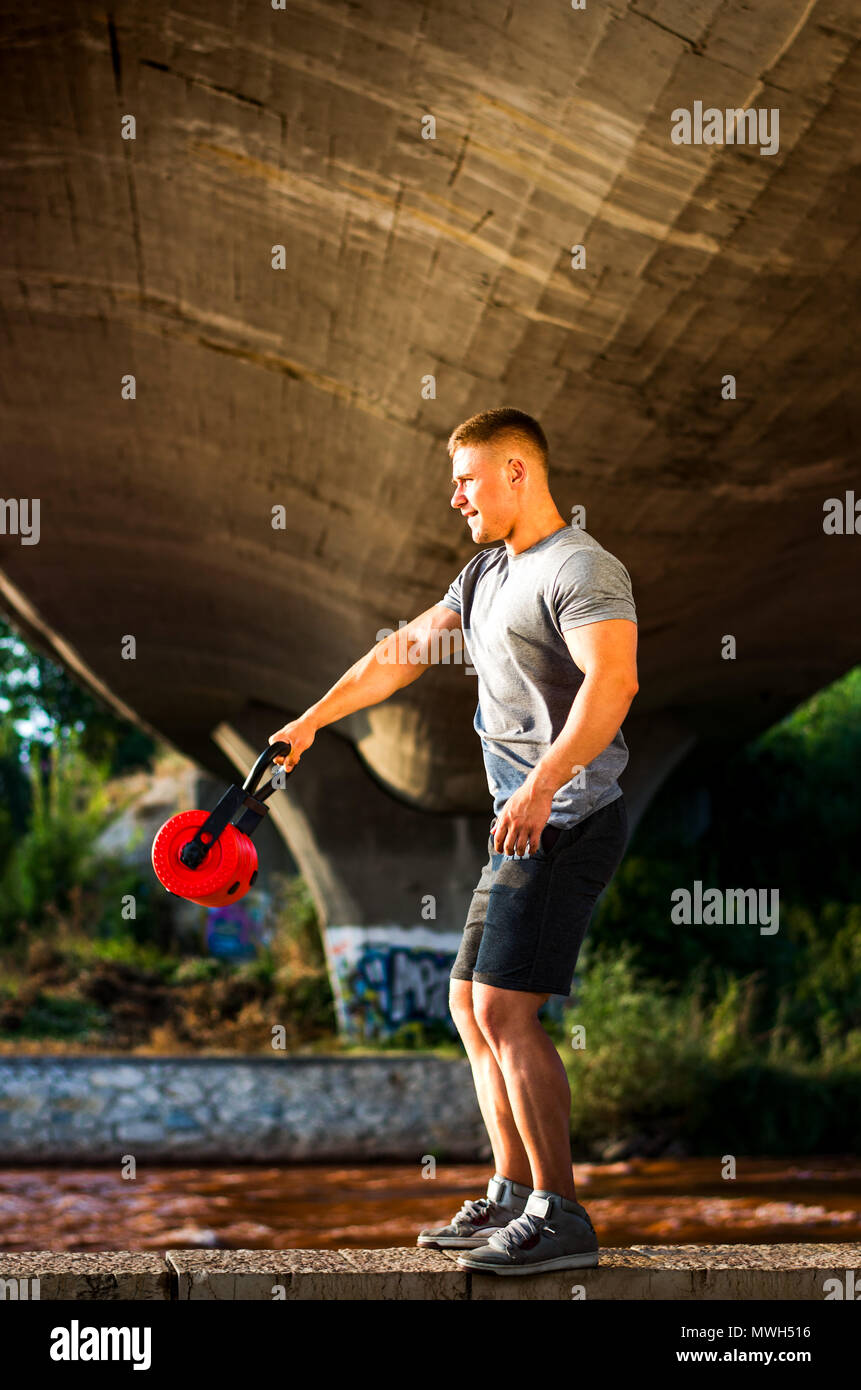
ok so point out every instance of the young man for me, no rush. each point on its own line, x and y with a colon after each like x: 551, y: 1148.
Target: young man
x: 550, y: 627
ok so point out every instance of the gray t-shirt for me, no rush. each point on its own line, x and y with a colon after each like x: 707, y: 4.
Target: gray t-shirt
x: 514, y: 610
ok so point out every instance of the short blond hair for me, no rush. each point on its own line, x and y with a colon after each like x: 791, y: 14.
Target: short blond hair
x: 492, y: 425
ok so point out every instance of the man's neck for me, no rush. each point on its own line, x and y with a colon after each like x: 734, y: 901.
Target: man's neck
x: 528, y: 533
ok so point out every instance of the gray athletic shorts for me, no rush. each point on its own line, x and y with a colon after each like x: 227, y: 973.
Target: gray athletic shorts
x: 528, y: 917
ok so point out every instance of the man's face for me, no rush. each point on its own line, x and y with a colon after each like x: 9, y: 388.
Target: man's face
x: 482, y: 492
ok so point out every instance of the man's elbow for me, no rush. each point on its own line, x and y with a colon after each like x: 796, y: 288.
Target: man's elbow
x: 617, y: 682
x: 627, y: 689
x: 625, y: 682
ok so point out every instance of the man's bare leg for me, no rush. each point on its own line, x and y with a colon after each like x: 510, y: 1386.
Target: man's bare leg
x: 509, y: 1155
x: 536, y: 1086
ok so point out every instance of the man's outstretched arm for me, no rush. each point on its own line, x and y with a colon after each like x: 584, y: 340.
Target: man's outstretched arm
x: 394, y: 662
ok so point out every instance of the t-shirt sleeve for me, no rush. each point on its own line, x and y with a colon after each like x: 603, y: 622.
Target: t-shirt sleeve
x: 591, y: 586
x: 453, y: 596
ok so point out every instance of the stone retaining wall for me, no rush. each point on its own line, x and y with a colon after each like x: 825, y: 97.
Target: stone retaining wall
x: 813, y: 1273
x: 242, y: 1110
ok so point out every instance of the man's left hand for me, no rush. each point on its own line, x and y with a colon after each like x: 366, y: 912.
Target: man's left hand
x: 521, y: 821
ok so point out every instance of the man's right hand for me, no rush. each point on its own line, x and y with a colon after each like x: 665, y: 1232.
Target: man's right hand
x: 299, y: 733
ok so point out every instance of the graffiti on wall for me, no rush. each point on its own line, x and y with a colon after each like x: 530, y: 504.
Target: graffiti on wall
x: 237, y: 932
x: 392, y: 986
x: 386, y: 977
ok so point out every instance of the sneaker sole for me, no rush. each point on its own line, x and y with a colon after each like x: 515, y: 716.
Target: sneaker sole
x: 588, y: 1260
x: 453, y: 1242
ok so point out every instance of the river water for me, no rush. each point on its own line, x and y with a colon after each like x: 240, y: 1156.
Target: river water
x: 324, y: 1207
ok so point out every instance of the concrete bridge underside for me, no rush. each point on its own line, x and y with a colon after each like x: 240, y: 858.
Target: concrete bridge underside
x: 407, y: 258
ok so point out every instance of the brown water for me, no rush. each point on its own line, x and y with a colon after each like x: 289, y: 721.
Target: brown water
x: 312, y: 1207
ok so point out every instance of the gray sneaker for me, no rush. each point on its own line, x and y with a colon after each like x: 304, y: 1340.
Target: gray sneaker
x: 552, y: 1233
x: 477, y: 1220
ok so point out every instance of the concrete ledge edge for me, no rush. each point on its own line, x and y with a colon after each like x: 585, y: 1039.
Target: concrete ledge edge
x: 812, y: 1272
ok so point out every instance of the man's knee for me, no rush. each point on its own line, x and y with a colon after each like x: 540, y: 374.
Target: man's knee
x: 460, y: 1005
x: 492, y: 1012
x: 504, y: 1013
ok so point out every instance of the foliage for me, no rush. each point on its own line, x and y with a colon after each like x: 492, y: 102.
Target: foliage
x: 652, y: 1057
x: 39, y: 692
x: 55, y: 855
x: 296, y: 929
x: 61, y: 1016
x: 784, y: 815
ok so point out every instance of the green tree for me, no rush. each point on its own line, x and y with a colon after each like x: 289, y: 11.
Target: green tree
x: 40, y: 693
x: 55, y: 854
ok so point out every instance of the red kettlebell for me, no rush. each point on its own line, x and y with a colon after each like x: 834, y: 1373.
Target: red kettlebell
x: 207, y: 859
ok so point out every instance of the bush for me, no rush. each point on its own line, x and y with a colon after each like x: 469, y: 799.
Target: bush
x: 654, y: 1056
x: 643, y: 1053
x: 61, y: 1016
x: 196, y: 969
x: 297, y: 940
x: 55, y: 854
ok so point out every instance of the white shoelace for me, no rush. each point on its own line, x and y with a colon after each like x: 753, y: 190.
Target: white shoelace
x: 516, y: 1232
x: 471, y: 1209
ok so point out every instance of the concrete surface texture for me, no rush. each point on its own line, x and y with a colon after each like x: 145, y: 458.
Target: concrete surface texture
x: 415, y: 250
x: 688, y: 1272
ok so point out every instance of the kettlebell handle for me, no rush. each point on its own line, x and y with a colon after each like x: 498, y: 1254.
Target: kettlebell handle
x: 268, y: 756
x: 233, y: 800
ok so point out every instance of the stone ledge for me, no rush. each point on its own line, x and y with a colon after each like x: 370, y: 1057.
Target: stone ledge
x: 644, y: 1272
x: 99, y: 1277
x: 318, y: 1274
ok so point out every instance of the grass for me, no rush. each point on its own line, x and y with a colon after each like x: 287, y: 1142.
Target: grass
x: 646, y: 1057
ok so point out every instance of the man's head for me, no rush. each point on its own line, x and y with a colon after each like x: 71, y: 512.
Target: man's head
x: 499, y: 472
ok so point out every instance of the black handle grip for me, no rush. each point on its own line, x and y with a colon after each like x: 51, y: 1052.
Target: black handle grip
x: 275, y: 750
